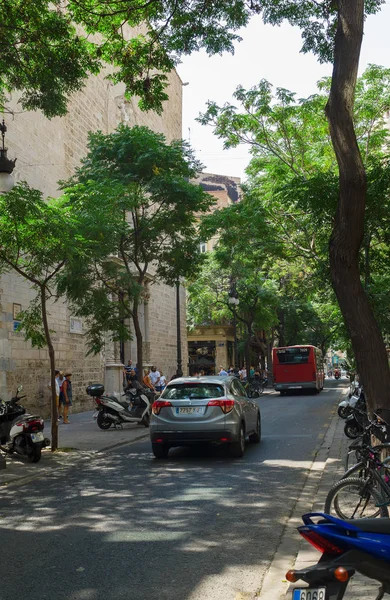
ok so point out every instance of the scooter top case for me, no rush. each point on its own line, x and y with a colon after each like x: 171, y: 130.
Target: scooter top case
x: 95, y: 389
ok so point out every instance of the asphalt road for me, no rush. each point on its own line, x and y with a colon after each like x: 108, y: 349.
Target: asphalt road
x: 196, y: 526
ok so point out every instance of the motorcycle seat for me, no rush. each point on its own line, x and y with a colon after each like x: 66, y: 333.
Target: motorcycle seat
x: 372, y: 525
x: 119, y: 401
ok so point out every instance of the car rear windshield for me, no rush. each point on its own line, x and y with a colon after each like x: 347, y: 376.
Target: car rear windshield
x: 195, y: 391
x: 292, y: 356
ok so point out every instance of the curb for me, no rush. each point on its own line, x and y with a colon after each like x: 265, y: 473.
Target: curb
x: 274, y: 586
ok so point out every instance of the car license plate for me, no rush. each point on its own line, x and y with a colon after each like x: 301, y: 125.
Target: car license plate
x: 190, y: 410
x: 309, y: 594
x: 37, y: 437
x: 295, y: 387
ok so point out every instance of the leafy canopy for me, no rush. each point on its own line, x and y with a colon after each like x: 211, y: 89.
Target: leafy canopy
x: 137, y: 206
x: 48, y: 49
x: 38, y: 238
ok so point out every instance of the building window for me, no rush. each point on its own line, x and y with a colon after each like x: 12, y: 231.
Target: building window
x: 202, y: 247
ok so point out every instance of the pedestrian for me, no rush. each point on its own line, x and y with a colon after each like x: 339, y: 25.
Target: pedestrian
x: 162, y: 383
x: 155, y: 377
x: 231, y: 370
x: 242, y: 373
x: 57, y: 384
x: 61, y: 380
x: 222, y: 371
x: 251, y: 371
x: 146, y: 380
x: 67, y: 396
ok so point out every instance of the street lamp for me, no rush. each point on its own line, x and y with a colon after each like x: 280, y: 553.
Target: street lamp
x: 179, y: 371
x: 6, y: 165
x: 234, y: 302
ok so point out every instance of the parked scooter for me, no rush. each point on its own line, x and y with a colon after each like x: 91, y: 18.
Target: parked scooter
x: 135, y: 408
x: 356, y: 422
x: 361, y: 545
x: 20, y: 432
x: 349, y: 402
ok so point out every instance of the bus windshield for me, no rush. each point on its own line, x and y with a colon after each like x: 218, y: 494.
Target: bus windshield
x: 293, y: 356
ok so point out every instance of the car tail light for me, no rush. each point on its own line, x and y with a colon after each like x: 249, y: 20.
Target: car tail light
x: 224, y: 404
x: 158, y: 405
x: 319, y: 542
x: 314, y: 375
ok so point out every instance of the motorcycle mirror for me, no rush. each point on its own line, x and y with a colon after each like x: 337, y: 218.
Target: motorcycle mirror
x: 20, y: 388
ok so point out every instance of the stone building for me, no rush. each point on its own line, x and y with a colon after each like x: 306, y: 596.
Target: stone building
x: 212, y: 346
x: 48, y: 151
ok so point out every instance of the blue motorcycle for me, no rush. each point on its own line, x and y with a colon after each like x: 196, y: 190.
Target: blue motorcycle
x: 361, y: 545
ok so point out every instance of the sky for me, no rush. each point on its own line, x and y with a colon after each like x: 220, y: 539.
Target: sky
x: 266, y: 52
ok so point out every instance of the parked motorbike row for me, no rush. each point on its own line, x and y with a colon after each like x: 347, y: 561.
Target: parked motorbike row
x: 358, y: 544
x: 20, y: 432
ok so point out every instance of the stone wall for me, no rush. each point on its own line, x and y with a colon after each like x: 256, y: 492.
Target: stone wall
x: 47, y: 152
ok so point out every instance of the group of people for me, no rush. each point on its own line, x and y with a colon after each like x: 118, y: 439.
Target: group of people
x: 153, y: 379
x: 256, y: 374
x: 63, y: 382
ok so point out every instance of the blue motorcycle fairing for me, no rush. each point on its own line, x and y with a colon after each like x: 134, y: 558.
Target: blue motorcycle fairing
x: 348, y: 536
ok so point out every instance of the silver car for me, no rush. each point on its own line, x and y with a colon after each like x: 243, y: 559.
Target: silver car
x: 201, y: 410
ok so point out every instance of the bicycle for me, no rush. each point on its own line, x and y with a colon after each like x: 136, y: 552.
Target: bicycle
x: 365, y: 496
x: 254, y: 388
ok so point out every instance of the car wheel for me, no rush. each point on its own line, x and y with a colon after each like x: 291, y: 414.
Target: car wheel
x: 160, y: 450
x: 237, y: 448
x: 255, y: 437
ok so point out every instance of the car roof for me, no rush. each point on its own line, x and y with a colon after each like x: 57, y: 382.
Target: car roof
x: 204, y: 379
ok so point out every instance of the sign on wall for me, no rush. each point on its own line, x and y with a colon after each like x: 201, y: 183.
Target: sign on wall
x: 76, y: 325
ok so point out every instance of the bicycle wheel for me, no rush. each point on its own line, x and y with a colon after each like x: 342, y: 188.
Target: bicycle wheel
x: 355, y: 498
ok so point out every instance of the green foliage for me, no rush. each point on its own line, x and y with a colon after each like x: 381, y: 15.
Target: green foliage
x: 42, y: 56
x: 37, y: 239
x: 292, y: 192
x: 138, y: 209
x: 47, y: 58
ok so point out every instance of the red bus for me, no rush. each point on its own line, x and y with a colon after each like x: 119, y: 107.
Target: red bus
x: 298, y: 368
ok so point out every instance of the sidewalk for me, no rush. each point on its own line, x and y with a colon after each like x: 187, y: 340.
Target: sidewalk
x: 294, y: 551
x: 79, y: 441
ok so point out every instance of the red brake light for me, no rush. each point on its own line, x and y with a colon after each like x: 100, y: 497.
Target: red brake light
x: 224, y: 404
x: 319, y: 542
x: 158, y: 405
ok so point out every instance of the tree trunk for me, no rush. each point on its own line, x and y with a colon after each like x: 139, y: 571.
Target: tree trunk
x: 54, y: 407
x: 138, y: 335
x: 348, y: 231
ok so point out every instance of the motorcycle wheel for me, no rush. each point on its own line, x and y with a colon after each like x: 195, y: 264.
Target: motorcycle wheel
x: 352, y: 432
x: 343, y: 412
x: 102, y: 421
x: 36, y: 454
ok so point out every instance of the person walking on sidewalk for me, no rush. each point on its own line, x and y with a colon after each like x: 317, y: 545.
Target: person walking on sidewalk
x: 58, y: 391
x: 67, y: 396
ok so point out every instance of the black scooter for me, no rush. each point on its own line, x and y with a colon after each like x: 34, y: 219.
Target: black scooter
x: 19, y: 432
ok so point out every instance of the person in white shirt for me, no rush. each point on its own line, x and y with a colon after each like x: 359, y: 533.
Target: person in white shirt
x: 58, y: 382
x: 162, y: 383
x: 242, y: 373
x: 155, y: 377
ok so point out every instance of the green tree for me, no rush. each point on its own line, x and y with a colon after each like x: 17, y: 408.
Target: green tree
x: 333, y: 30
x: 137, y: 207
x: 295, y: 169
x: 37, y: 239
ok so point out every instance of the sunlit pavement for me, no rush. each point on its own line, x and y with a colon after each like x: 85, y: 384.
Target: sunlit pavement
x: 195, y: 526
